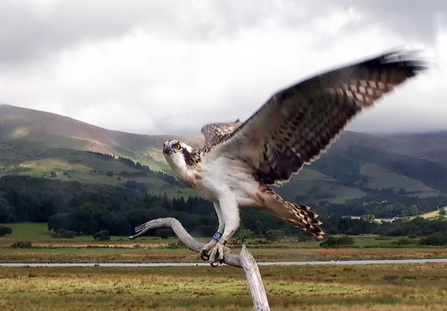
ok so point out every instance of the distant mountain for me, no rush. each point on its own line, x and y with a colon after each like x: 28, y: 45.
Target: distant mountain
x: 55, y: 131
x: 44, y: 144
x: 430, y: 146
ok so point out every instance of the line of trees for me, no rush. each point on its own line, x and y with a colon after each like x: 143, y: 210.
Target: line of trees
x: 88, y: 209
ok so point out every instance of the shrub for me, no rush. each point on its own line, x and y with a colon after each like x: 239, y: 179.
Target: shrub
x: 245, y: 234
x: 102, y: 235
x: 5, y: 230
x: 404, y: 241
x: 22, y: 244
x: 305, y: 236
x: 62, y: 233
x: 274, y: 235
x: 336, y: 242
x: 395, y: 232
x: 434, y: 239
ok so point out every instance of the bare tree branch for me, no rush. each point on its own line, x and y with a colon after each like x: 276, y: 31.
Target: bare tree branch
x: 183, y: 235
x: 254, y: 279
x: 245, y: 260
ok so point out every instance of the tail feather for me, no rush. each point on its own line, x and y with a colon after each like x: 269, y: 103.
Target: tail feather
x: 296, y: 214
x: 302, y: 217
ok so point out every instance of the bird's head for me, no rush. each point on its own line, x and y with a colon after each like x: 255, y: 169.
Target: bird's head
x: 178, y: 155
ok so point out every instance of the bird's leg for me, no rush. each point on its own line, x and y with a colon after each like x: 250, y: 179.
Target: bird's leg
x: 230, y: 215
x: 205, y: 252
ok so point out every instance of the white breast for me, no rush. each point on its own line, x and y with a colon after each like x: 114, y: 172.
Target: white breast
x: 225, y: 176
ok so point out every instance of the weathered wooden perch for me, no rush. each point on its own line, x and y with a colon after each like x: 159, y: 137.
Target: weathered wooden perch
x: 245, y: 260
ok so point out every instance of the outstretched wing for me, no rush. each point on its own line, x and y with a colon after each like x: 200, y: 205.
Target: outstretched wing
x: 300, y: 122
x: 216, y: 133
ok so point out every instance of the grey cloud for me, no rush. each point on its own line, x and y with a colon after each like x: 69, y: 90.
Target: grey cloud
x: 413, y: 18
x: 30, y: 30
x: 78, y: 58
x: 33, y: 29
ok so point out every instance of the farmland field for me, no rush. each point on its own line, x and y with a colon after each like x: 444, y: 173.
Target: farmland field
x: 415, y: 287
x: 433, y: 214
x: 153, y: 249
x: 385, y: 287
x: 30, y: 230
x: 112, y: 254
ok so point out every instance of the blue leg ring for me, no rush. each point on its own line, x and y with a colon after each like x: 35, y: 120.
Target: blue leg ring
x: 217, y: 236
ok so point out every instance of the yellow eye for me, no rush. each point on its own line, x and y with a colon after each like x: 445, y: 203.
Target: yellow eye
x: 177, y: 147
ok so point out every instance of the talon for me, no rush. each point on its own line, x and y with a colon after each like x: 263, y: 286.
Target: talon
x: 221, y: 255
x: 214, y: 252
x: 205, y: 251
x: 204, y: 257
x: 214, y: 264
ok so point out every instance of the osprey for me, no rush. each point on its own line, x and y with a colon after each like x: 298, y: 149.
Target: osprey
x: 239, y: 161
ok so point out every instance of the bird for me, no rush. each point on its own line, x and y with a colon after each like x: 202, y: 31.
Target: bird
x: 240, y: 162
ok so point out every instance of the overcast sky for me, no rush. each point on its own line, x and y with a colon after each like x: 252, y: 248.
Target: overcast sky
x: 169, y: 67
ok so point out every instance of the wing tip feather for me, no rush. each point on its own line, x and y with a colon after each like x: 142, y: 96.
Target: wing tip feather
x: 410, y: 60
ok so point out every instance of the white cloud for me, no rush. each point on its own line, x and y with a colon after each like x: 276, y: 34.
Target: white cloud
x: 172, y: 66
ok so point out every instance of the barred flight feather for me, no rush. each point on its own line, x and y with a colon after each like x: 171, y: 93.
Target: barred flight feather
x: 299, y: 123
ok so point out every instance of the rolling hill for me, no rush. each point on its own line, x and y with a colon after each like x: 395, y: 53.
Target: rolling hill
x: 55, y: 131
x: 48, y: 145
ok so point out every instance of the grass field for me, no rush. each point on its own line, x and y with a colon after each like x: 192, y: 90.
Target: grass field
x: 433, y: 214
x: 154, y: 249
x: 419, y: 287
x: 317, y: 288
x: 40, y: 233
x: 28, y: 231
x: 185, y: 255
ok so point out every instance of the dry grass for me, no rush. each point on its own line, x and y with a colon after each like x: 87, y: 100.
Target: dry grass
x: 152, y: 250
x: 112, y: 254
x: 346, y: 254
x: 412, y: 288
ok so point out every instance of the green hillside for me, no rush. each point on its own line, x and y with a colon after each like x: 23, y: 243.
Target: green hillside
x: 32, y: 159
x: 46, y: 145
x: 55, y: 131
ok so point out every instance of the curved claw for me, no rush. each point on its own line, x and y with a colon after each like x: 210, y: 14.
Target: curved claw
x: 214, y: 264
x: 204, y: 256
x: 205, y: 252
x: 214, y: 253
x: 218, y: 251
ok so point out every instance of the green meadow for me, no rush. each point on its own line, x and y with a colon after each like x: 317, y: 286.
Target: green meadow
x: 416, y: 287
x: 318, y: 288
x: 155, y: 249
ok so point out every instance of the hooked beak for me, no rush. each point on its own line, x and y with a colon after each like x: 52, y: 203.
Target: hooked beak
x: 167, y: 150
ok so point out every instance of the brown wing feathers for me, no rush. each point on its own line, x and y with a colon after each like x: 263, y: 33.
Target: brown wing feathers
x: 319, y: 108
x: 300, y: 122
x: 216, y: 133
